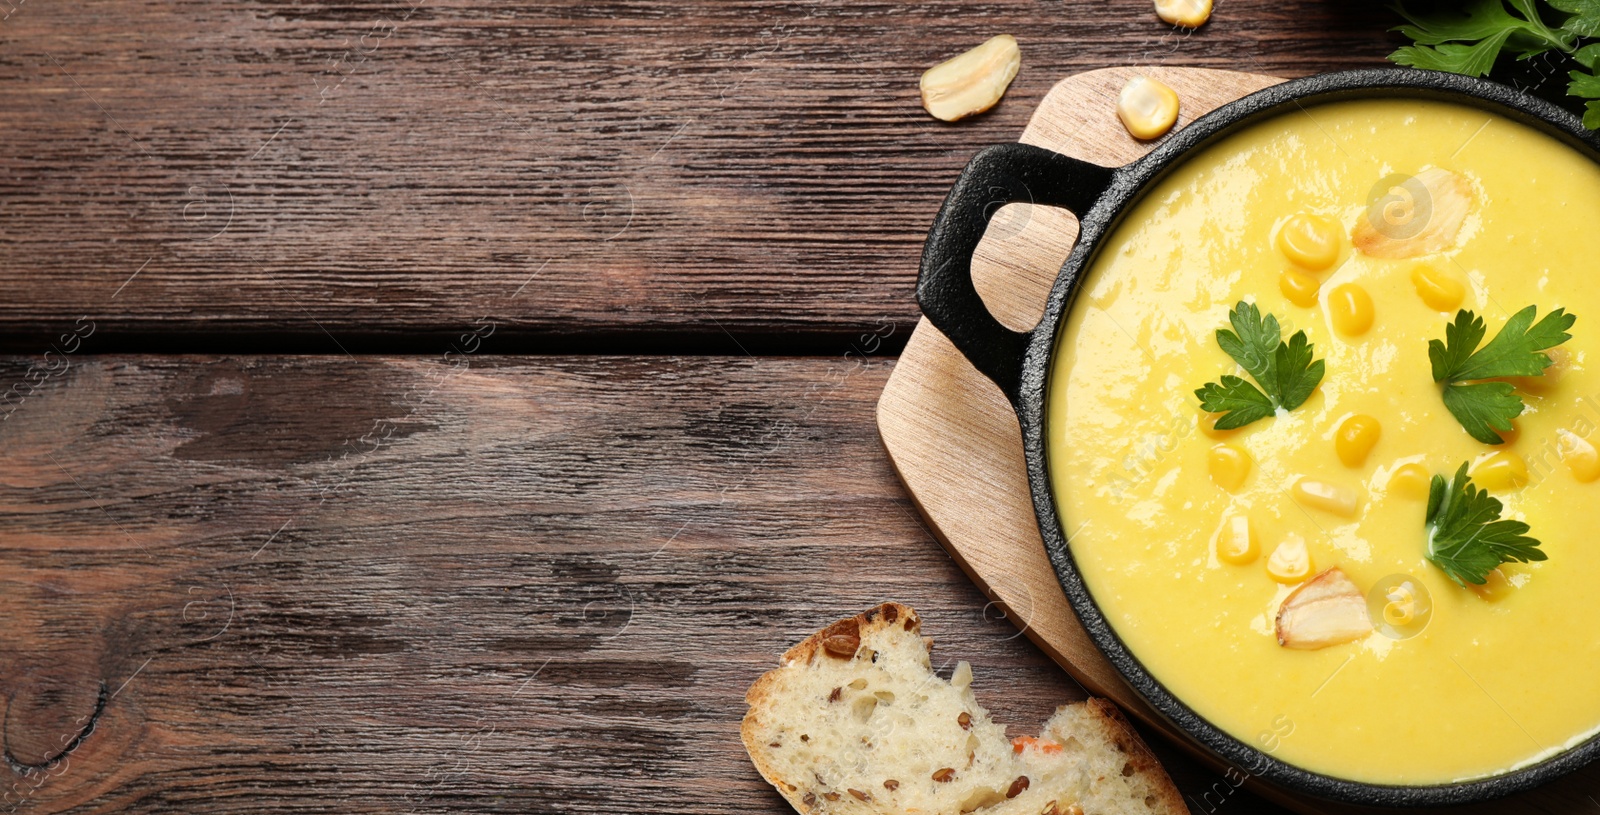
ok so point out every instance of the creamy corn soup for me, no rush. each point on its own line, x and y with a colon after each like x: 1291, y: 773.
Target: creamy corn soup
x: 1193, y: 540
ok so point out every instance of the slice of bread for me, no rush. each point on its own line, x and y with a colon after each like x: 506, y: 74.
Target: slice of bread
x: 856, y: 721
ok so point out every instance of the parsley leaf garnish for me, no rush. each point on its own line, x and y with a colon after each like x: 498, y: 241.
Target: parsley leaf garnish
x: 1467, y: 538
x: 1483, y: 408
x: 1284, y: 370
x: 1587, y: 85
x: 1239, y: 401
x: 1469, y: 42
x: 1469, y: 38
x: 1585, y: 19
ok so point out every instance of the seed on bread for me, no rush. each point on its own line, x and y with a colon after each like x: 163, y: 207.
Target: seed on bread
x: 944, y: 774
x: 891, y: 784
x: 965, y: 720
x: 842, y: 646
x: 962, y: 676
x: 1017, y: 786
x: 863, y: 707
x: 859, y: 795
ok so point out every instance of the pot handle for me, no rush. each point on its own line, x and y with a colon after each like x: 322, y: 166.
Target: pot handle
x: 999, y: 175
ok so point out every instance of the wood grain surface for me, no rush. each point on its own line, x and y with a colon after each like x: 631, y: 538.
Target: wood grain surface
x: 453, y: 582
x: 467, y: 585
x: 689, y: 175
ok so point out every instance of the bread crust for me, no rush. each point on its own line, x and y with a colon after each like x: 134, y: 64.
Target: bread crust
x: 1119, y: 731
x: 876, y: 618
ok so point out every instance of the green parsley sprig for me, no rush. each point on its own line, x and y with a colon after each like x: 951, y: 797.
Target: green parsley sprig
x: 1481, y: 407
x: 1284, y: 370
x: 1467, y: 538
x: 1469, y: 38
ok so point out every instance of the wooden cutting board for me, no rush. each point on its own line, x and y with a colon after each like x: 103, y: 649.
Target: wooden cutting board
x: 956, y: 444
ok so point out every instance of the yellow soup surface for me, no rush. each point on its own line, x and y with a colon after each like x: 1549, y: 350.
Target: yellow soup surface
x: 1491, y: 678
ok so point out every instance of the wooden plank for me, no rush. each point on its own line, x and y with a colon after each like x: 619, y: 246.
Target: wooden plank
x: 403, y: 584
x: 271, y: 176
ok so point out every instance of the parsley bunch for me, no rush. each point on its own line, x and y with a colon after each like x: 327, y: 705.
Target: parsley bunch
x: 1481, y: 407
x: 1284, y: 370
x: 1470, y: 37
x: 1467, y: 538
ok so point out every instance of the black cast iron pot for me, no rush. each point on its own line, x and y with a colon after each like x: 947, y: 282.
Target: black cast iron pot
x: 1020, y: 362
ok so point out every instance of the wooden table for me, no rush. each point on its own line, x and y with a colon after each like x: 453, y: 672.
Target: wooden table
x: 453, y: 406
